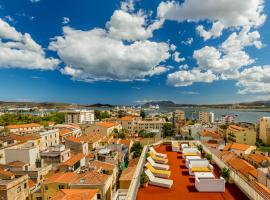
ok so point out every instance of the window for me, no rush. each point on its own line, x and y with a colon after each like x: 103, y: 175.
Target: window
x: 25, y: 185
x: 98, y: 196
x: 19, y: 189
x: 61, y: 186
x: 46, y: 187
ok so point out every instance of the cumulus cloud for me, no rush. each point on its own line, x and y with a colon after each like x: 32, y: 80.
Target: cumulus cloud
x: 188, y: 42
x: 66, y: 20
x: 231, y: 13
x: 94, y: 55
x: 254, y: 80
x: 21, y: 51
x: 230, y: 57
x: 186, y: 78
x: 130, y: 26
x: 214, y: 32
x: 177, y: 58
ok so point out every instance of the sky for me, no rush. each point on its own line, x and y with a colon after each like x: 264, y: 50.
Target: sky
x: 134, y: 51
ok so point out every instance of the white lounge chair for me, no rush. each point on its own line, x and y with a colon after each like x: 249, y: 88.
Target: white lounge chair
x: 161, y: 155
x: 161, y: 182
x: 157, y: 165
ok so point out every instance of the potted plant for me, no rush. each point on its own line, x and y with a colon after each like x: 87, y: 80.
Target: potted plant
x: 208, y: 157
x: 199, y: 147
x: 225, y: 173
x: 144, y: 180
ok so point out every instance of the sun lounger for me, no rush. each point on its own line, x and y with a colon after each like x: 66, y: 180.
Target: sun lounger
x: 161, y: 155
x: 158, y: 159
x: 158, y: 172
x: 175, y: 146
x: 157, y: 165
x: 161, y: 182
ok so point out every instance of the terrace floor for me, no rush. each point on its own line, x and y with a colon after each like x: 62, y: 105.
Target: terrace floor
x: 184, y: 184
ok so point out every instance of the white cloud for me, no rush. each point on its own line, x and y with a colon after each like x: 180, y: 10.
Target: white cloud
x: 176, y: 57
x: 21, y: 51
x: 130, y: 26
x: 186, y: 78
x: 127, y: 6
x: 34, y: 1
x: 231, y: 13
x: 94, y: 55
x: 9, y: 18
x: 188, y: 42
x: 66, y: 20
x: 214, y: 32
x: 254, y: 80
x: 190, y: 92
x: 230, y: 57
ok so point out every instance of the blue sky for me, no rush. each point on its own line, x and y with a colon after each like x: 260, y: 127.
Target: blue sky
x: 129, y: 52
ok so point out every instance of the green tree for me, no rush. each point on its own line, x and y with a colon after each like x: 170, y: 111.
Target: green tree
x: 142, y: 114
x: 225, y: 173
x: 136, y: 149
x: 168, y: 130
x: 208, y: 156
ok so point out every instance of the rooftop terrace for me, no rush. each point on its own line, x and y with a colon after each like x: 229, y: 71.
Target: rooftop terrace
x: 183, y: 183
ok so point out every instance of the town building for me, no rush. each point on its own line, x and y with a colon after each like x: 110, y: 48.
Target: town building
x: 72, y: 180
x: 24, y: 128
x: 67, y: 130
x: 49, y: 138
x: 74, y: 164
x: 83, y: 194
x: 264, y: 130
x: 149, y: 124
x: 240, y: 134
x: 239, y: 149
x: 76, y: 145
x: 206, y: 117
x: 105, y: 128
x: 79, y: 117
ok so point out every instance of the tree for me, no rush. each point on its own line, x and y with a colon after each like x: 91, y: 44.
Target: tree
x: 136, y: 149
x: 101, y: 114
x: 208, y: 156
x: 225, y: 173
x: 168, y: 130
x: 142, y: 114
x: 199, y: 147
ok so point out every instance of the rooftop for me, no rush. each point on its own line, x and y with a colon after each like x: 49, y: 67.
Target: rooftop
x: 183, y: 185
x: 74, y: 159
x: 107, y: 124
x: 75, y: 194
x: 23, y: 125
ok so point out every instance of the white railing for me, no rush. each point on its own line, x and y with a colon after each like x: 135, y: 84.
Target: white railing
x: 120, y: 194
x: 135, y: 182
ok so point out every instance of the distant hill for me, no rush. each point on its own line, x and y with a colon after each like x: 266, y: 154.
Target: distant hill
x: 160, y: 103
x: 99, y: 105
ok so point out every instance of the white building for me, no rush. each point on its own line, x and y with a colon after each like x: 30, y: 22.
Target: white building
x: 49, y: 138
x: 206, y: 117
x: 79, y: 116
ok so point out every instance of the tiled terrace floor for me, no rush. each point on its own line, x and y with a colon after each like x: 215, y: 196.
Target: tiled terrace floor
x: 184, y: 186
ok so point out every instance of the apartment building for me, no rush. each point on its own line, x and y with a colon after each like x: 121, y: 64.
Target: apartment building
x: 76, y: 145
x: 128, y: 122
x: 239, y: 134
x: 12, y: 187
x: 67, y: 130
x: 49, y: 138
x: 239, y: 149
x: 179, y: 115
x: 206, y: 117
x: 105, y: 128
x: 72, y: 180
x: 264, y: 130
x: 86, y: 194
x: 79, y: 117
x: 94, y: 140
x: 149, y: 124
x: 24, y: 128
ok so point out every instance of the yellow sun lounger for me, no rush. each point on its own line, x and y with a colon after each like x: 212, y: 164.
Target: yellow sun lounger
x: 158, y: 173
x: 158, y: 159
x: 200, y: 169
x: 190, y: 154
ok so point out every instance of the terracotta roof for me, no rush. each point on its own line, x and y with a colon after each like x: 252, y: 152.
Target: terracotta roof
x: 254, y: 173
x: 241, y: 147
x: 125, y: 142
x: 101, y: 165
x: 127, y: 174
x: 73, y: 139
x: 92, y: 177
x: 90, y: 155
x: 263, y: 189
x: 126, y: 118
x: 209, y: 134
x: 237, y: 128
x: 226, y: 156
x: 258, y: 158
x: 74, y: 159
x: 31, y: 183
x: 107, y: 124
x: 241, y: 165
x: 92, y: 137
x: 25, y: 138
x: 6, y: 174
x: 227, y: 147
x: 62, y: 177
x: 64, y: 131
x: 23, y: 125
x: 75, y: 194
